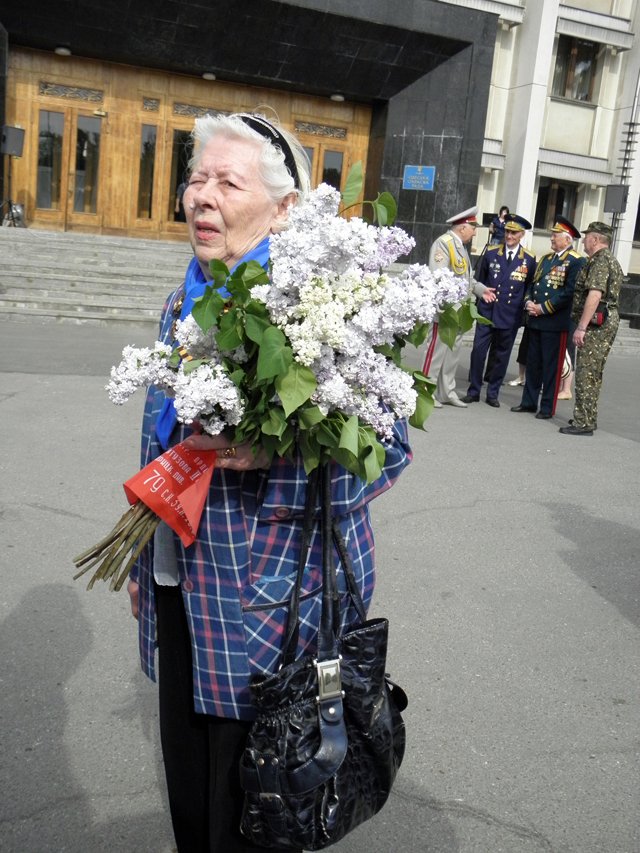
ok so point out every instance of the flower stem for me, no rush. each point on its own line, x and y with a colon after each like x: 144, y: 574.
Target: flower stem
x: 131, y: 533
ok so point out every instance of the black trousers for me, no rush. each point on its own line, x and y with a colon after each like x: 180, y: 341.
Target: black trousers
x: 201, y: 753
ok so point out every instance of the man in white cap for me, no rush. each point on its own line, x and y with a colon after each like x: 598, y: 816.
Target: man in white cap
x: 450, y: 252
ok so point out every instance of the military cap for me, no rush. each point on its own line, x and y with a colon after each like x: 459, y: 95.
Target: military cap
x: 513, y: 222
x: 599, y: 228
x: 468, y: 216
x: 563, y: 224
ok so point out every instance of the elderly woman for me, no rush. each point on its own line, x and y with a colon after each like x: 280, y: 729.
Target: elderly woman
x: 217, y: 610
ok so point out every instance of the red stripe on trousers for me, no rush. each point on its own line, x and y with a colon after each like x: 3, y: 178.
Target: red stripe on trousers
x: 429, y: 356
x: 561, y: 352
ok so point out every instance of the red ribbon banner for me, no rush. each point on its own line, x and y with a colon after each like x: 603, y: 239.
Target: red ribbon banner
x: 175, y: 487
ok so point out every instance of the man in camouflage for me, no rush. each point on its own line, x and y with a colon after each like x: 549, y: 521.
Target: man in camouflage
x: 596, y: 293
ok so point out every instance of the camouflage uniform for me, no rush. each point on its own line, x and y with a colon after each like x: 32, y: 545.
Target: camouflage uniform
x: 601, y: 272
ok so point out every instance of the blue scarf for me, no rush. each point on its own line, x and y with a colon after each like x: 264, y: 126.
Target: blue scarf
x: 195, y: 284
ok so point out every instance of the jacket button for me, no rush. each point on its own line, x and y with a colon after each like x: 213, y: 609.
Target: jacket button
x: 281, y: 512
x: 187, y: 586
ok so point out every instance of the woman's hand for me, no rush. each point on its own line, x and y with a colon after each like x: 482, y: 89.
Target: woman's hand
x: 239, y: 457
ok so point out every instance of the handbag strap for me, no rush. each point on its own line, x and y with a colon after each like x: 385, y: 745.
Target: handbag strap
x: 292, y: 632
x: 319, y: 485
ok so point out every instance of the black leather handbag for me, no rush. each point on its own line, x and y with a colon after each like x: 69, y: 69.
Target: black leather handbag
x: 323, y: 753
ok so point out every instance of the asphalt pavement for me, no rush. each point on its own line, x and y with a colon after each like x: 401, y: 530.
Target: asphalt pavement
x: 508, y: 567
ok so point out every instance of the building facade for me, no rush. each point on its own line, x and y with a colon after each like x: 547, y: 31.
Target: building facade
x: 106, y: 94
x: 562, y: 123
x: 528, y: 103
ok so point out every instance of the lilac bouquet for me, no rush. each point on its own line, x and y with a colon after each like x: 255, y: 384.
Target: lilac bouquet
x: 307, y: 357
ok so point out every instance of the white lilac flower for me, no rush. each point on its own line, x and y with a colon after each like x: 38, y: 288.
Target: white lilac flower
x: 140, y: 366
x: 199, y: 344
x: 207, y: 390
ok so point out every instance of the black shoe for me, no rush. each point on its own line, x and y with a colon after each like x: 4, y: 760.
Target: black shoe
x: 470, y: 399
x: 492, y: 401
x: 522, y: 408
x: 575, y: 430
x: 573, y: 423
x: 543, y: 416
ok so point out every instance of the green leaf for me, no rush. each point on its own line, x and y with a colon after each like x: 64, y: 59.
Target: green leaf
x: 418, y: 334
x: 295, y: 386
x: 191, y: 365
x: 385, y: 209
x: 448, y: 326
x: 475, y: 315
x: 424, y: 407
x: 207, y: 309
x: 465, y: 317
x: 349, y: 435
x: 310, y: 450
x: 275, y: 356
x: 353, y: 185
x: 228, y: 339
x: 371, y: 462
x: 348, y: 461
x: 255, y: 327
x: 237, y: 376
x: 276, y: 423
x: 254, y: 273
x: 309, y: 417
x: 326, y: 435
x: 219, y: 272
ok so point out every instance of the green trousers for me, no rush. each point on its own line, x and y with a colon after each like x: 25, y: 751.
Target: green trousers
x: 590, y: 362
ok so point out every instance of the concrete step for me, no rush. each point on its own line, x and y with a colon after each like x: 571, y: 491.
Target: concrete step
x: 88, y: 278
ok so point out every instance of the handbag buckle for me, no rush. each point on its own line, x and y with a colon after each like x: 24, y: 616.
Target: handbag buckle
x: 329, y: 680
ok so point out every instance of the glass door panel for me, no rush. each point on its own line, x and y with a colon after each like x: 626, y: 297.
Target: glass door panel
x: 181, y: 150
x: 85, y: 197
x: 147, y: 168
x: 49, y: 180
x: 332, y: 162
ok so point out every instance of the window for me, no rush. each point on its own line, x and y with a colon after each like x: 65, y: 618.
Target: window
x: 576, y: 69
x: 554, y: 199
x: 636, y: 231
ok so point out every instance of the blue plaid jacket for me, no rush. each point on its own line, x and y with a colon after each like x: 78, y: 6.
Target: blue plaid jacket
x: 237, y: 577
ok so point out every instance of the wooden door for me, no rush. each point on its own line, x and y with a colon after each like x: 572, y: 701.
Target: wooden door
x: 67, y: 172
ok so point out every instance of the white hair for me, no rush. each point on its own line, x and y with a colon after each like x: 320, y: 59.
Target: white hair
x: 276, y: 178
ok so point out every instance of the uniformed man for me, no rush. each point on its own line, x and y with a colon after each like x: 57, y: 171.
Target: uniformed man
x: 509, y: 268
x: 595, y: 312
x: 548, y: 307
x: 450, y: 252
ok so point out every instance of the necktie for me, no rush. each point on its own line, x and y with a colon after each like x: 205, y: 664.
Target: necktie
x: 509, y: 257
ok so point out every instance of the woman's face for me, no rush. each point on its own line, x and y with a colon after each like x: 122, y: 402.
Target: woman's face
x: 227, y: 208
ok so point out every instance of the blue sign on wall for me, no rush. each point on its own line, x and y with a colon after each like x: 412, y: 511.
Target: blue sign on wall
x: 418, y: 177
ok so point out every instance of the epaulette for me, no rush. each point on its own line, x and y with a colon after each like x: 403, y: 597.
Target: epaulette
x: 574, y: 254
x: 527, y: 252
x: 549, y: 255
x: 494, y: 248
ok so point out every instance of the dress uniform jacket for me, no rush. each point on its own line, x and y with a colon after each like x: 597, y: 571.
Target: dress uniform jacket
x: 552, y: 288
x: 510, y: 281
x: 441, y: 362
